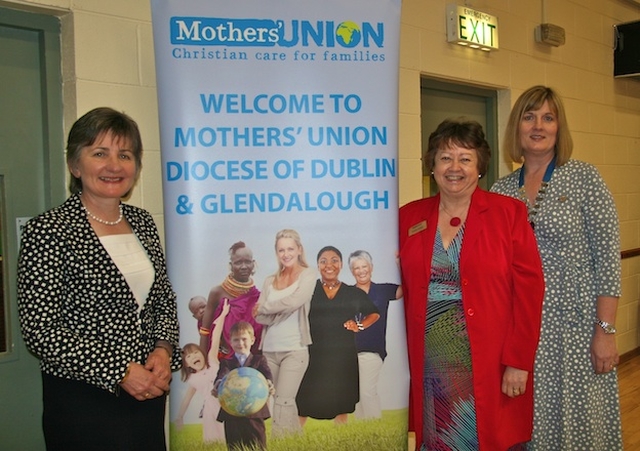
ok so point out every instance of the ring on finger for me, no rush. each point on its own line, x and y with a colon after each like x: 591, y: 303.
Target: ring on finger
x: 147, y: 394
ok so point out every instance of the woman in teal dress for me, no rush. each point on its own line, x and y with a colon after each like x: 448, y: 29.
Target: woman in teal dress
x: 473, y: 288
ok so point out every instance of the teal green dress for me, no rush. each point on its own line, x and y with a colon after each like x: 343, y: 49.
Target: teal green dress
x: 449, y: 406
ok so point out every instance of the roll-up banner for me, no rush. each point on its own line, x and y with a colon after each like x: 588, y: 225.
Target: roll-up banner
x: 281, y: 117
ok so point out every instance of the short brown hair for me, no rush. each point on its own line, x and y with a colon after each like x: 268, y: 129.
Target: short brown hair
x: 531, y: 100
x: 458, y: 132
x: 240, y: 327
x: 93, y: 126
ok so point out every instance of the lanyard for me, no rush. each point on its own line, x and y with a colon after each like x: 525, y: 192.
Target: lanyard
x: 547, y: 174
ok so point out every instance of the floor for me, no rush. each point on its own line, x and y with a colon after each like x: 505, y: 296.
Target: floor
x: 629, y: 381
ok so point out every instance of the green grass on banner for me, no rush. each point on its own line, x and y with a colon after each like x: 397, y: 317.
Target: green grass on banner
x: 386, y: 434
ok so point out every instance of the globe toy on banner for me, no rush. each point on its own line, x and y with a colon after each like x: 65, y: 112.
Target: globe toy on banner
x: 242, y: 392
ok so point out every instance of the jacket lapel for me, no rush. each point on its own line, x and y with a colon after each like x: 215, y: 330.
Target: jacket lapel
x: 474, y: 223
x: 428, y: 238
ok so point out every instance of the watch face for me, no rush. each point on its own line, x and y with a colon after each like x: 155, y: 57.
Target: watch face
x: 608, y: 328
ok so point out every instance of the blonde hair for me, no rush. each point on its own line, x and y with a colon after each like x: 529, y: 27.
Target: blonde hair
x: 292, y: 234
x: 530, y: 100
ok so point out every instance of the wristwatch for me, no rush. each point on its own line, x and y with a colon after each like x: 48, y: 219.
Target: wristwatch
x: 608, y: 328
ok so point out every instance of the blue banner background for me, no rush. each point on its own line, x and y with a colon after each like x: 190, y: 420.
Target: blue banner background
x: 279, y: 114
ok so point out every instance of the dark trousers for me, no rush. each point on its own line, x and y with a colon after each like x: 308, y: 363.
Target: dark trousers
x: 79, y: 416
x: 249, y: 432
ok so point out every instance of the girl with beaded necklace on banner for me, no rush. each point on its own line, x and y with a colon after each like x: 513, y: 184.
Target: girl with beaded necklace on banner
x: 238, y: 287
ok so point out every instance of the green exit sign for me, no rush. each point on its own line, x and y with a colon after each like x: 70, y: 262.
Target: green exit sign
x: 466, y: 26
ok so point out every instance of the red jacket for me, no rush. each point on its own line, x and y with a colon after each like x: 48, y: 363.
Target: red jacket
x: 502, y: 291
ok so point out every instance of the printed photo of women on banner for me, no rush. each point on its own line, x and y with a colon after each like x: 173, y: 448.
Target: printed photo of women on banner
x: 279, y: 154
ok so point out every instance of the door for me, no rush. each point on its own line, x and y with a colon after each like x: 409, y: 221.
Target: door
x: 31, y: 180
x: 441, y: 100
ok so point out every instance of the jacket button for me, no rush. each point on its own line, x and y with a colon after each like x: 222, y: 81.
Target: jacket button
x: 470, y: 312
x: 465, y: 282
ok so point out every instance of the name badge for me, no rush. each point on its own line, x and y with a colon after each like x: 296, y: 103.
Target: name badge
x: 419, y: 227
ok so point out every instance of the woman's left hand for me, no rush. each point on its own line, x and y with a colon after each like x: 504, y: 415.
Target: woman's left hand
x: 159, y: 363
x: 367, y: 321
x: 604, y: 352
x: 352, y: 326
x: 514, y: 381
x: 149, y: 381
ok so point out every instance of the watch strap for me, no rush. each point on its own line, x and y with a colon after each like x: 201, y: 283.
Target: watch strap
x: 608, y: 328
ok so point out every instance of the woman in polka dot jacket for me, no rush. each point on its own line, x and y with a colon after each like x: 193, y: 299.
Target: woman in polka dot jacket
x: 576, y: 226
x: 95, y: 304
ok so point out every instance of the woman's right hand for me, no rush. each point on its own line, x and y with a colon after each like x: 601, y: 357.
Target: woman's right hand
x: 143, y: 384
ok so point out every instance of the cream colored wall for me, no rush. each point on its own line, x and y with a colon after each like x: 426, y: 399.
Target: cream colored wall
x: 604, y: 112
x: 108, y: 60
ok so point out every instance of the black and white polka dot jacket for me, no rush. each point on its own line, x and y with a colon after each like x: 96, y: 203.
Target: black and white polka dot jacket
x: 77, y: 312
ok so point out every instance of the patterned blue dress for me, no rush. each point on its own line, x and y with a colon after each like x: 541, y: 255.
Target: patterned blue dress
x: 449, y: 406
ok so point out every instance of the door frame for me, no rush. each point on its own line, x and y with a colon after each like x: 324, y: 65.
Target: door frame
x: 26, y: 196
x: 491, y: 101
x: 48, y: 29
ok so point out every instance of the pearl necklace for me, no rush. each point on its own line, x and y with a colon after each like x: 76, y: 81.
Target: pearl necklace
x: 102, y: 221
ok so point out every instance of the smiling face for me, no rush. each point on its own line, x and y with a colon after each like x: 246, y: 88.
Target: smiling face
x: 329, y: 265
x: 538, y: 131
x: 361, y: 270
x: 107, y: 168
x: 242, y: 264
x: 288, y: 252
x: 241, y: 342
x: 195, y: 360
x: 455, y: 170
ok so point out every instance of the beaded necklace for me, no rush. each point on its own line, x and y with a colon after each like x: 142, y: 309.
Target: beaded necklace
x: 532, y: 210
x: 332, y: 285
x: 235, y: 288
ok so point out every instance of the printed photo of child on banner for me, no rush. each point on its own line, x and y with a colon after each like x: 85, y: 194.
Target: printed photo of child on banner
x: 279, y: 139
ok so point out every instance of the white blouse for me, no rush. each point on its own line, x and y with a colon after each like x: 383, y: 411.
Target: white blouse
x: 133, y: 262
x: 284, y: 336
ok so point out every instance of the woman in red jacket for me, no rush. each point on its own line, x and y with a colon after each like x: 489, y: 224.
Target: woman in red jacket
x: 473, y: 298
